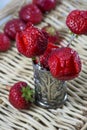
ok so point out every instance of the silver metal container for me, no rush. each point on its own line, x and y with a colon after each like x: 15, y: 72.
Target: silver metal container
x: 49, y: 92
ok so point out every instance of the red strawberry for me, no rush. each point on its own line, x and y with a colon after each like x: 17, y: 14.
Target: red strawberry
x: 31, y: 13
x: 64, y: 64
x: 45, y: 5
x: 53, y: 34
x: 4, y: 42
x: 32, y: 41
x: 77, y: 21
x: 21, y: 95
x: 44, y: 58
x: 12, y: 27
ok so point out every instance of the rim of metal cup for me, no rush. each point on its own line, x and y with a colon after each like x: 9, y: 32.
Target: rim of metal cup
x: 37, y: 66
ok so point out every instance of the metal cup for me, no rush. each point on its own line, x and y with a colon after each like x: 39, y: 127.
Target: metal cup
x: 49, y: 92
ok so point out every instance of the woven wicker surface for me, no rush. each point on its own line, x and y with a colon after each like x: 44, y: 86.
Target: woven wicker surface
x: 15, y: 67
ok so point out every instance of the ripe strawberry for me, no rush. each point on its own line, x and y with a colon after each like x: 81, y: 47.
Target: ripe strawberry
x: 12, y: 27
x: 44, y: 58
x: 53, y: 34
x: 45, y: 5
x: 77, y: 21
x: 64, y: 64
x: 21, y: 95
x: 32, y: 41
x: 31, y: 13
x: 4, y: 42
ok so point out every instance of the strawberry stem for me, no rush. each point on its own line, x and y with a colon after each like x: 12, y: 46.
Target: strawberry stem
x: 33, y: 58
x: 73, y: 36
x: 36, y: 60
x: 39, y: 61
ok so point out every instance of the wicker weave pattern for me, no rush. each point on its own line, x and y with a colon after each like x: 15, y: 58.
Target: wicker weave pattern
x: 15, y: 67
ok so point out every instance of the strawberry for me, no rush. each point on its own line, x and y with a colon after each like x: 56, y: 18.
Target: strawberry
x: 77, y: 21
x: 21, y: 95
x: 32, y: 41
x: 44, y: 58
x: 45, y: 5
x: 12, y: 27
x: 4, y: 42
x: 31, y: 13
x: 64, y: 64
x: 53, y: 34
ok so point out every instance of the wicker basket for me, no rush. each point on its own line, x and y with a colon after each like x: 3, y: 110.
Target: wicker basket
x: 15, y: 67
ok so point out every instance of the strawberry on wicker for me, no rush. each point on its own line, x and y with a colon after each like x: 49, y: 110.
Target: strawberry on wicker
x: 4, y: 42
x: 45, y: 5
x: 31, y: 13
x: 44, y: 58
x: 12, y: 27
x: 53, y: 34
x: 77, y: 21
x: 21, y: 95
x: 32, y: 41
x: 65, y: 64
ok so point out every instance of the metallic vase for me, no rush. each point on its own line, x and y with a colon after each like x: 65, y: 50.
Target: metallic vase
x: 49, y: 92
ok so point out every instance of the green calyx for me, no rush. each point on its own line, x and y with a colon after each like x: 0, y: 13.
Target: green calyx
x: 28, y: 94
x: 51, y: 30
